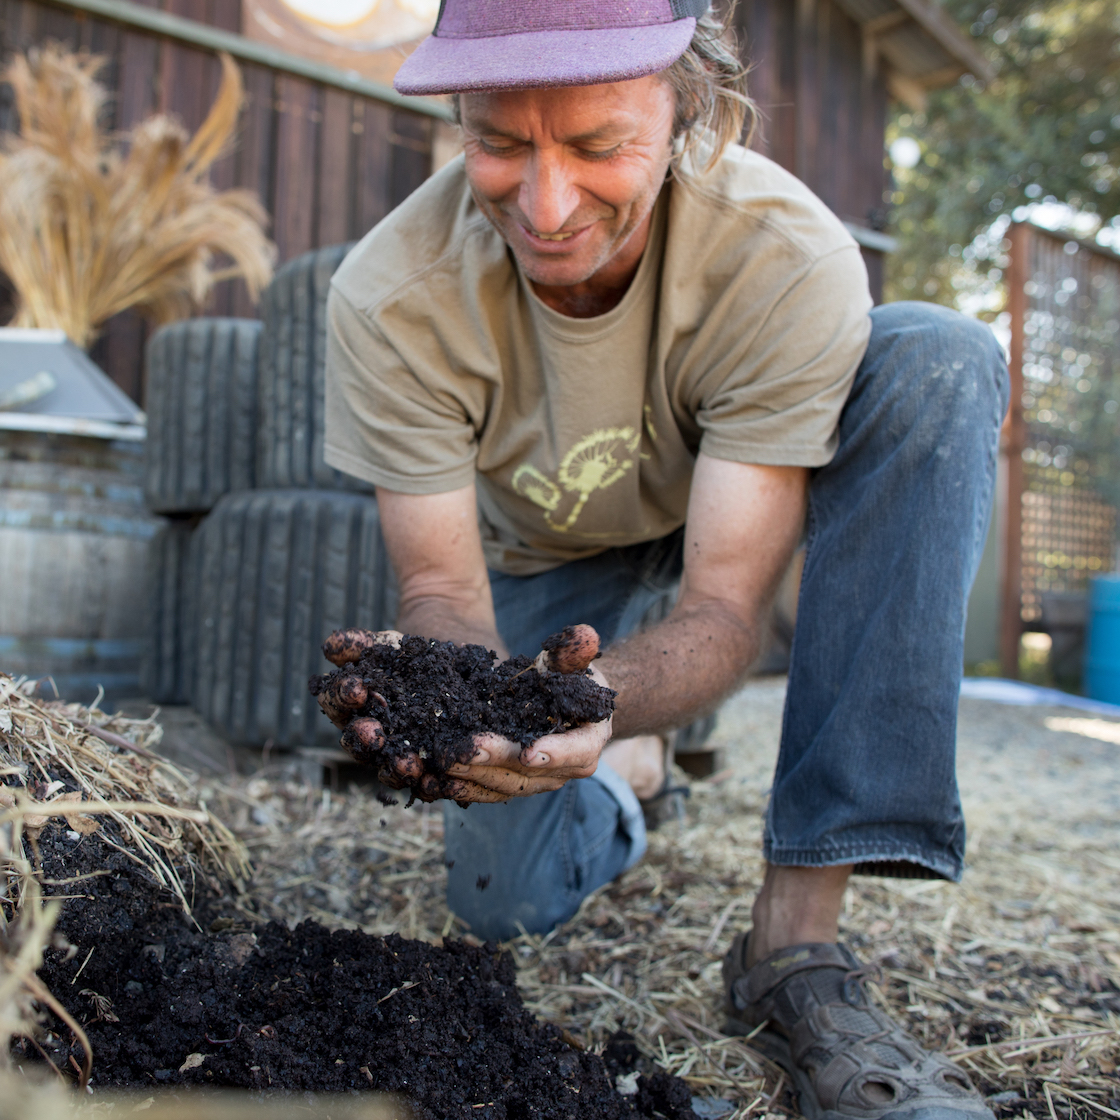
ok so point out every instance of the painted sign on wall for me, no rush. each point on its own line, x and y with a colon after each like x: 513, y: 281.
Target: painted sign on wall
x: 372, y: 37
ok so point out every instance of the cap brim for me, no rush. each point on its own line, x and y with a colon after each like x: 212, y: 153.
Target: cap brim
x: 534, y: 59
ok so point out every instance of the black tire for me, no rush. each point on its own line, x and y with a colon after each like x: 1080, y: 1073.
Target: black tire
x: 167, y: 674
x: 278, y: 571
x: 291, y: 388
x: 202, y: 413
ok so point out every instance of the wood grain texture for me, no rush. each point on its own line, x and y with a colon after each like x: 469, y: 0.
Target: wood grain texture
x: 335, y: 168
x: 372, y: 165
x: 823, y: 111
x: 137, y: 79
x: 297, y: 154
x: 254, y: 159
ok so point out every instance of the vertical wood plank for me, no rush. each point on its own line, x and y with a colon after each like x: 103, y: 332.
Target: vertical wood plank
x: 59, y: 25
x: 9, y: 11
x: 119, y: 351
x: 254, y: 159
x: 838, y: 116
x: 21, y: 25
x: 223, y: 176
x: 102, y: 38
x: 225, y: 14
x: 755, y: 31
x: 372, y: 159
x: 411, y: 155
x: 182, y: 86
x: 297, y: 135
x: 784, y: 120
x: 873, y: 116
x: 198, y: 10
x: 137, y: 93
x: 335, y: 170
x: 1013, y: 441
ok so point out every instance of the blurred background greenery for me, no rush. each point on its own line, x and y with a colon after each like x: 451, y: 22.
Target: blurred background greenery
x: 1041, y: 141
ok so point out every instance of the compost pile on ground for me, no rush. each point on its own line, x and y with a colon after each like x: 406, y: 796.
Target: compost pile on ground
x: 165, y: 1003
x: 166, y: 999
x: 414, y: 707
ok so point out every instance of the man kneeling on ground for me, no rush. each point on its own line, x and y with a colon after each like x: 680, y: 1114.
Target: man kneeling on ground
x: 610, y: 349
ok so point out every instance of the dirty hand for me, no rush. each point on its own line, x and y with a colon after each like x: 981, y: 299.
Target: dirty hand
x: 493, y: 768
x: 502, y: 769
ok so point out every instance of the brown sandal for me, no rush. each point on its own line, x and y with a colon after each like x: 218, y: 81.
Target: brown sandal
x: 848, y: 1059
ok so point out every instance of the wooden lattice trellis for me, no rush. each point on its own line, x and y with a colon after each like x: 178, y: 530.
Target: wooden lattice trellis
x: 1062, y: 436
x: 1067, y: 537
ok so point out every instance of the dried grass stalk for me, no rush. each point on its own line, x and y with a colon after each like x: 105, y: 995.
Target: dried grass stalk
x: 91, y: 226
x: 161, y: 819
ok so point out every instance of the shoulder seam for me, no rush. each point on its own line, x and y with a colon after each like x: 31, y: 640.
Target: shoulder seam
x: 775, y: 230
x: 453, y: 250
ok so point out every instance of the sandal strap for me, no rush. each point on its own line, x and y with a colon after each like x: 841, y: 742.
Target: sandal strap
x: 771, y: 971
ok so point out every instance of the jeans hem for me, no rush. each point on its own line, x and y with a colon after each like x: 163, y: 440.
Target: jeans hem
x: 869, y: 859
x: 633, y: 822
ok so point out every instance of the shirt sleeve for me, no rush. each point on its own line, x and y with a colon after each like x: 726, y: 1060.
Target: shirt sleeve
x: 384, y: 422
x: 774, y: 380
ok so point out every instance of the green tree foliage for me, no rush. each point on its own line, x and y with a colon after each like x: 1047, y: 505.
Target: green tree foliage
x: 1047, y: 128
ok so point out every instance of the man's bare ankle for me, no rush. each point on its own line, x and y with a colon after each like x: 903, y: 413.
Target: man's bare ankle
x: 795, y: 906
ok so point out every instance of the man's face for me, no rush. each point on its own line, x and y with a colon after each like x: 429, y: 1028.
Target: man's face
x: 567, y: 176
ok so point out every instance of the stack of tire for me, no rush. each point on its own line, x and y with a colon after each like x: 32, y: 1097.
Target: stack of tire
x: 264, y: 548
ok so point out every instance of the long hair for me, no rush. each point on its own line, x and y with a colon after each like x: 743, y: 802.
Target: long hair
x: 710, y: 83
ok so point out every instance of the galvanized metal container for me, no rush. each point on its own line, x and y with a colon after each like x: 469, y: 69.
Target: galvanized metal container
x: 74, y: 539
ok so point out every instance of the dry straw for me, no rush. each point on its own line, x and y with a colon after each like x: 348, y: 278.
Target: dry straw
x: 98, y: 774
x: 157, y: 816
x: 91, y: 225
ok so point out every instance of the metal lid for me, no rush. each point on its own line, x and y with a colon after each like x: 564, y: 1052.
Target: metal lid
x: 46, y: 380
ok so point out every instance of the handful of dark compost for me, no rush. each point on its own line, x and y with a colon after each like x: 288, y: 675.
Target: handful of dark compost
x: 412, y: 706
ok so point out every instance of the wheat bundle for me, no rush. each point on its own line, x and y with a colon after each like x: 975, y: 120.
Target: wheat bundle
x: 92, y: 224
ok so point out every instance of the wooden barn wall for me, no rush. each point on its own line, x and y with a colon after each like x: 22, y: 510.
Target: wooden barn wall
x: 824, y: 109
x: 327, y: 164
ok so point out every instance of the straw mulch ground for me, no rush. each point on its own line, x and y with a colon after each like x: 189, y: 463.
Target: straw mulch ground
x: 1016, y: 972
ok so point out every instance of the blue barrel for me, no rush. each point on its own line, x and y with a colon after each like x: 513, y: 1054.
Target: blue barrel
x: 1102, y: 658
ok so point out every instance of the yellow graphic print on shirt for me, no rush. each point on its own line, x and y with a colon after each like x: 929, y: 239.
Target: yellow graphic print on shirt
x: 595, y: 462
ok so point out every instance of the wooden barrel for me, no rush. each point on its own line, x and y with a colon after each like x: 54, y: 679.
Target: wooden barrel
x: 74, y: 539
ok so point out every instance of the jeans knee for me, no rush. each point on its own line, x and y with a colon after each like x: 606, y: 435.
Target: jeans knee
x: 951, y: 362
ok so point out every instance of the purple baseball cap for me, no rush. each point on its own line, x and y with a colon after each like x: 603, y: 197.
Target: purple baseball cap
x: 521, y: 44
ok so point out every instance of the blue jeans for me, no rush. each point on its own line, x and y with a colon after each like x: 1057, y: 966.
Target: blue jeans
x: 866, y: 771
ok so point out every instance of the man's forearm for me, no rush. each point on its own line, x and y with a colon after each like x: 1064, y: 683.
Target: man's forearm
x: 432, y: 617
x: 680, y: 669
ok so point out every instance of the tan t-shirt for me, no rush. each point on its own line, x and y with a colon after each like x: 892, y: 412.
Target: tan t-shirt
x: 739, y: 336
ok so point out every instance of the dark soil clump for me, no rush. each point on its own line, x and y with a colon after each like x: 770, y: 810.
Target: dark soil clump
x: 270, y: 1009
x: 426, y: 700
